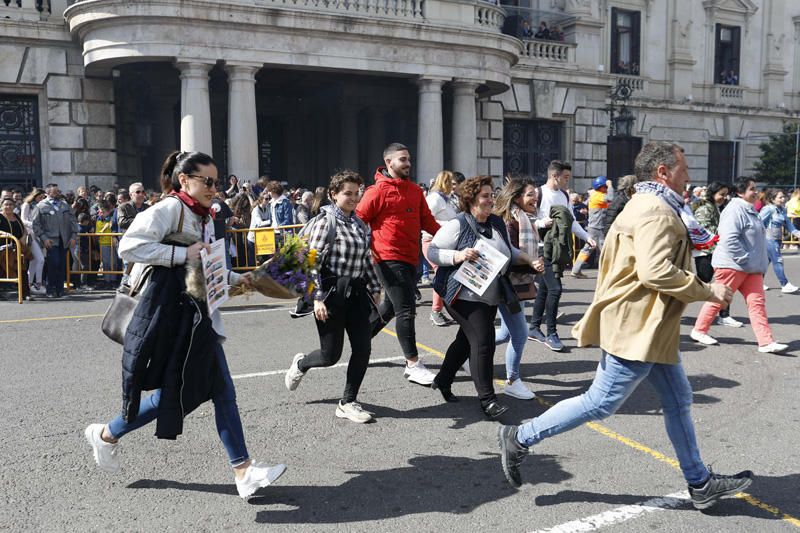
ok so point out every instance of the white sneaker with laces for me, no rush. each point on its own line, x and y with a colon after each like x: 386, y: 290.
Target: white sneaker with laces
x: 788, y: 289
x: 417, y: 373
x: 766, y: 287
x: 353, y: 411
x: 730, y: 322
x: 774, y: 347
x: 518, y: 390
x: 257, y: 476
x: 37, y: 289
x: 294, y: 375
x: 703, y: 338
x: 106, y: 454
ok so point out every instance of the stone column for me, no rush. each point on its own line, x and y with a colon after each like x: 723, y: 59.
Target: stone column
x: 195, y: 107
x: 430, y: 136
x: 348, y: 136
x: 242, y: 121
x: 465, y: 131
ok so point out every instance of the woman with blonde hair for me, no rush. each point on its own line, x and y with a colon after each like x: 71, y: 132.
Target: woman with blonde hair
x: 36, y: 266
x: 442, y: 210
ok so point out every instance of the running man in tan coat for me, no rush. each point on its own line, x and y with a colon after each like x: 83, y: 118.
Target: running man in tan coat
x: 645, y: 282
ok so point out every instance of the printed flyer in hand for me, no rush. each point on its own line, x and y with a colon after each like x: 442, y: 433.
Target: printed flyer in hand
x: 478, y: 275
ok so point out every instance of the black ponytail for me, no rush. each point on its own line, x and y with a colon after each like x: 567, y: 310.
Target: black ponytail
x: 178, y: 163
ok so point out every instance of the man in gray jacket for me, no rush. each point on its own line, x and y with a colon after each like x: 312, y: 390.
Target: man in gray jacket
x: 55, y: 227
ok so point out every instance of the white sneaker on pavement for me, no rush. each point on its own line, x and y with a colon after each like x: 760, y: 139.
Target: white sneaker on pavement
x: 730, y: 322
x: 417, y: 373
x: 774, y: 347
x: 257, y: 476
x: 106, y: 454
x: 294, y: 375
x: 789, y: 289
x: 518, y: 389
x: 353, y: 411
x: 703, y: 338
x: 766, y: 287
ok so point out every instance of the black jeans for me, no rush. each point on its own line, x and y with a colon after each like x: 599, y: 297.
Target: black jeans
x: 547, y: 299
x: 349, y: 316
x: 56, y: 265
x: 702, y: 263
x: 474, y: 341
x: 399, y: 281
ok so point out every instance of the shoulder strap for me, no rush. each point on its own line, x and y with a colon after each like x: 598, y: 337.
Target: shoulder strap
x: 180, y: 219
x: 331, y: 237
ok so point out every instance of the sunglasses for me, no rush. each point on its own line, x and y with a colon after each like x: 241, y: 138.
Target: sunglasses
x: 208, y: 180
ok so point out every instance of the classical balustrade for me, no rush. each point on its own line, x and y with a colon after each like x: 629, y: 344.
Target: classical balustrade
x: 554, y: 51
x: 409, y: 9
x: 489, y: 16
x: 732, y: 94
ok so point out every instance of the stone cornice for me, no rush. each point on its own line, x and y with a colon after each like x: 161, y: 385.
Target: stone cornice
x: 34, y: 32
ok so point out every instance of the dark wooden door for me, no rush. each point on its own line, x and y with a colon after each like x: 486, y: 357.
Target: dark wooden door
x: 530, y: 145
x: 621, y: 155
x: 20, y: 154
x: 722, y: 161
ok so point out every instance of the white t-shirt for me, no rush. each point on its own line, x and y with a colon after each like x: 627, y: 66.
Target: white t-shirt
x: 549, y: 199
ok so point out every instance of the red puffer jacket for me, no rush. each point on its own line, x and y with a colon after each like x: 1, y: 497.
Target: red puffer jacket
x: 396, y: 211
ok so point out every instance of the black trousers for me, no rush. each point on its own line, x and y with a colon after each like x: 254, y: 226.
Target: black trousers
x: 399, y: 281
x: 702, y: 263
x: 474, y: 341
x: 547, y: 299
x: 349, y: 316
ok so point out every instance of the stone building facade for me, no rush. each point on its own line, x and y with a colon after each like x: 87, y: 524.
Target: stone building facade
x: 98, y: 91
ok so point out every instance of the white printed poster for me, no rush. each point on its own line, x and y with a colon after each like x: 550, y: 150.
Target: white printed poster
x: 216, y: 275
x: 479, y: 274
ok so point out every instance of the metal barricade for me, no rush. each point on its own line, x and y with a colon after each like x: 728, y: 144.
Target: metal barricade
x: 11, y: 254
x: 248, y: 255
x: 95, y: 254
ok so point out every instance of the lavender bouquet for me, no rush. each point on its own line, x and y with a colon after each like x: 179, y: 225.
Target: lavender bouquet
x: 287, y: 274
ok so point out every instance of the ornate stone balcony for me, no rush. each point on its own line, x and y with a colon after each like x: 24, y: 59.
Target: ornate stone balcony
x: 729, y: 94
x: 548, y: 51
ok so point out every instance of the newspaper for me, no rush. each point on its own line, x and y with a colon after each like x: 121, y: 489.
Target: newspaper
x: 216, y: 275
x: 478, y: 275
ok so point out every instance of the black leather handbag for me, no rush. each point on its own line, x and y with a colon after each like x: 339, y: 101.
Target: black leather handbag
x: 120, y: 312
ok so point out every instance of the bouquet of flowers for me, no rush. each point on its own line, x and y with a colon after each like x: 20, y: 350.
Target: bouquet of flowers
x: 287, y: 274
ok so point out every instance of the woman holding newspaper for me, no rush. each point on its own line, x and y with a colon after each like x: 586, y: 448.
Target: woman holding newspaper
x: 473, y: 252
x: 173, y: 345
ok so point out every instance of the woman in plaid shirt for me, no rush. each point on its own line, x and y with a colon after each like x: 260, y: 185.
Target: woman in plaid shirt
x: 347, y: 288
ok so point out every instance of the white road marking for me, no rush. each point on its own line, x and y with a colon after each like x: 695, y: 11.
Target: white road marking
x: 621, y: 514
x: 224, y: 312
x: 337, y: 365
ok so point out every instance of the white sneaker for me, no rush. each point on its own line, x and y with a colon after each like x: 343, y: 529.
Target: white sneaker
x: 352, y: 411
x: 729, y: 321
x: 775, y: 347
x: 788, y: 289
x: 703, y: 338
x: 106, y: 454
x: 518, y: 390
x: 257, y: 476
x: 766, y: 287
x: 465, y: 368
x: 38, y: 290
x: 294, y: 375
x: 417, y: 373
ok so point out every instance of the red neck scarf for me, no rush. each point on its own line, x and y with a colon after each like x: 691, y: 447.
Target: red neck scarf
x: 194, y: 205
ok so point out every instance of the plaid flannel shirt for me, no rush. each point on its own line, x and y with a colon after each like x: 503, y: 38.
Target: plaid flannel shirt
x: 350, y: 255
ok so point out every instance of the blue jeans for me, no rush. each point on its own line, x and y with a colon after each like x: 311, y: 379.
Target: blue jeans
x: 614, y: 382
x: 514, y: 327
x: 775, y: 257
x: 226, y: 414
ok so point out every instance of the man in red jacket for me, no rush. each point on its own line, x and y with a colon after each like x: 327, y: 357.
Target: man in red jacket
x: 396, y: 211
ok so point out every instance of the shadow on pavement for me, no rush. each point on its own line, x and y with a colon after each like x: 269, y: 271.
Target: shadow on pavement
x: 777, y: 492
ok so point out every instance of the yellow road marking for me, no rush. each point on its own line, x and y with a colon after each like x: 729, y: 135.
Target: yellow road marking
x: 599, y: 428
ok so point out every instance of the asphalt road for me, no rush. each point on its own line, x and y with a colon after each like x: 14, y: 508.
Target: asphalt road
x: 422, y: 466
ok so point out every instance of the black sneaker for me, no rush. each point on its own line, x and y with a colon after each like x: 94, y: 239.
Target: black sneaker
x: 718, y: 486
x: 511, y: 453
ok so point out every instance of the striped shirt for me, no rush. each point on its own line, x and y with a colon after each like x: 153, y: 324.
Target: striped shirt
x: 350, y: 255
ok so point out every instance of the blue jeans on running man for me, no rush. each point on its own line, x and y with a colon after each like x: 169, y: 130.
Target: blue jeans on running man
x: 615, y: 381
x: 775, y: 257
x: 513, y: 327
x: 226, y: 414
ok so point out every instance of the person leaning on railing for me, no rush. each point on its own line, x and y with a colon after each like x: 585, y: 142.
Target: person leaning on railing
x: 10, y: 223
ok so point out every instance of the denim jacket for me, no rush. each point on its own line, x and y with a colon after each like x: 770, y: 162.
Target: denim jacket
x: 775, y: 220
